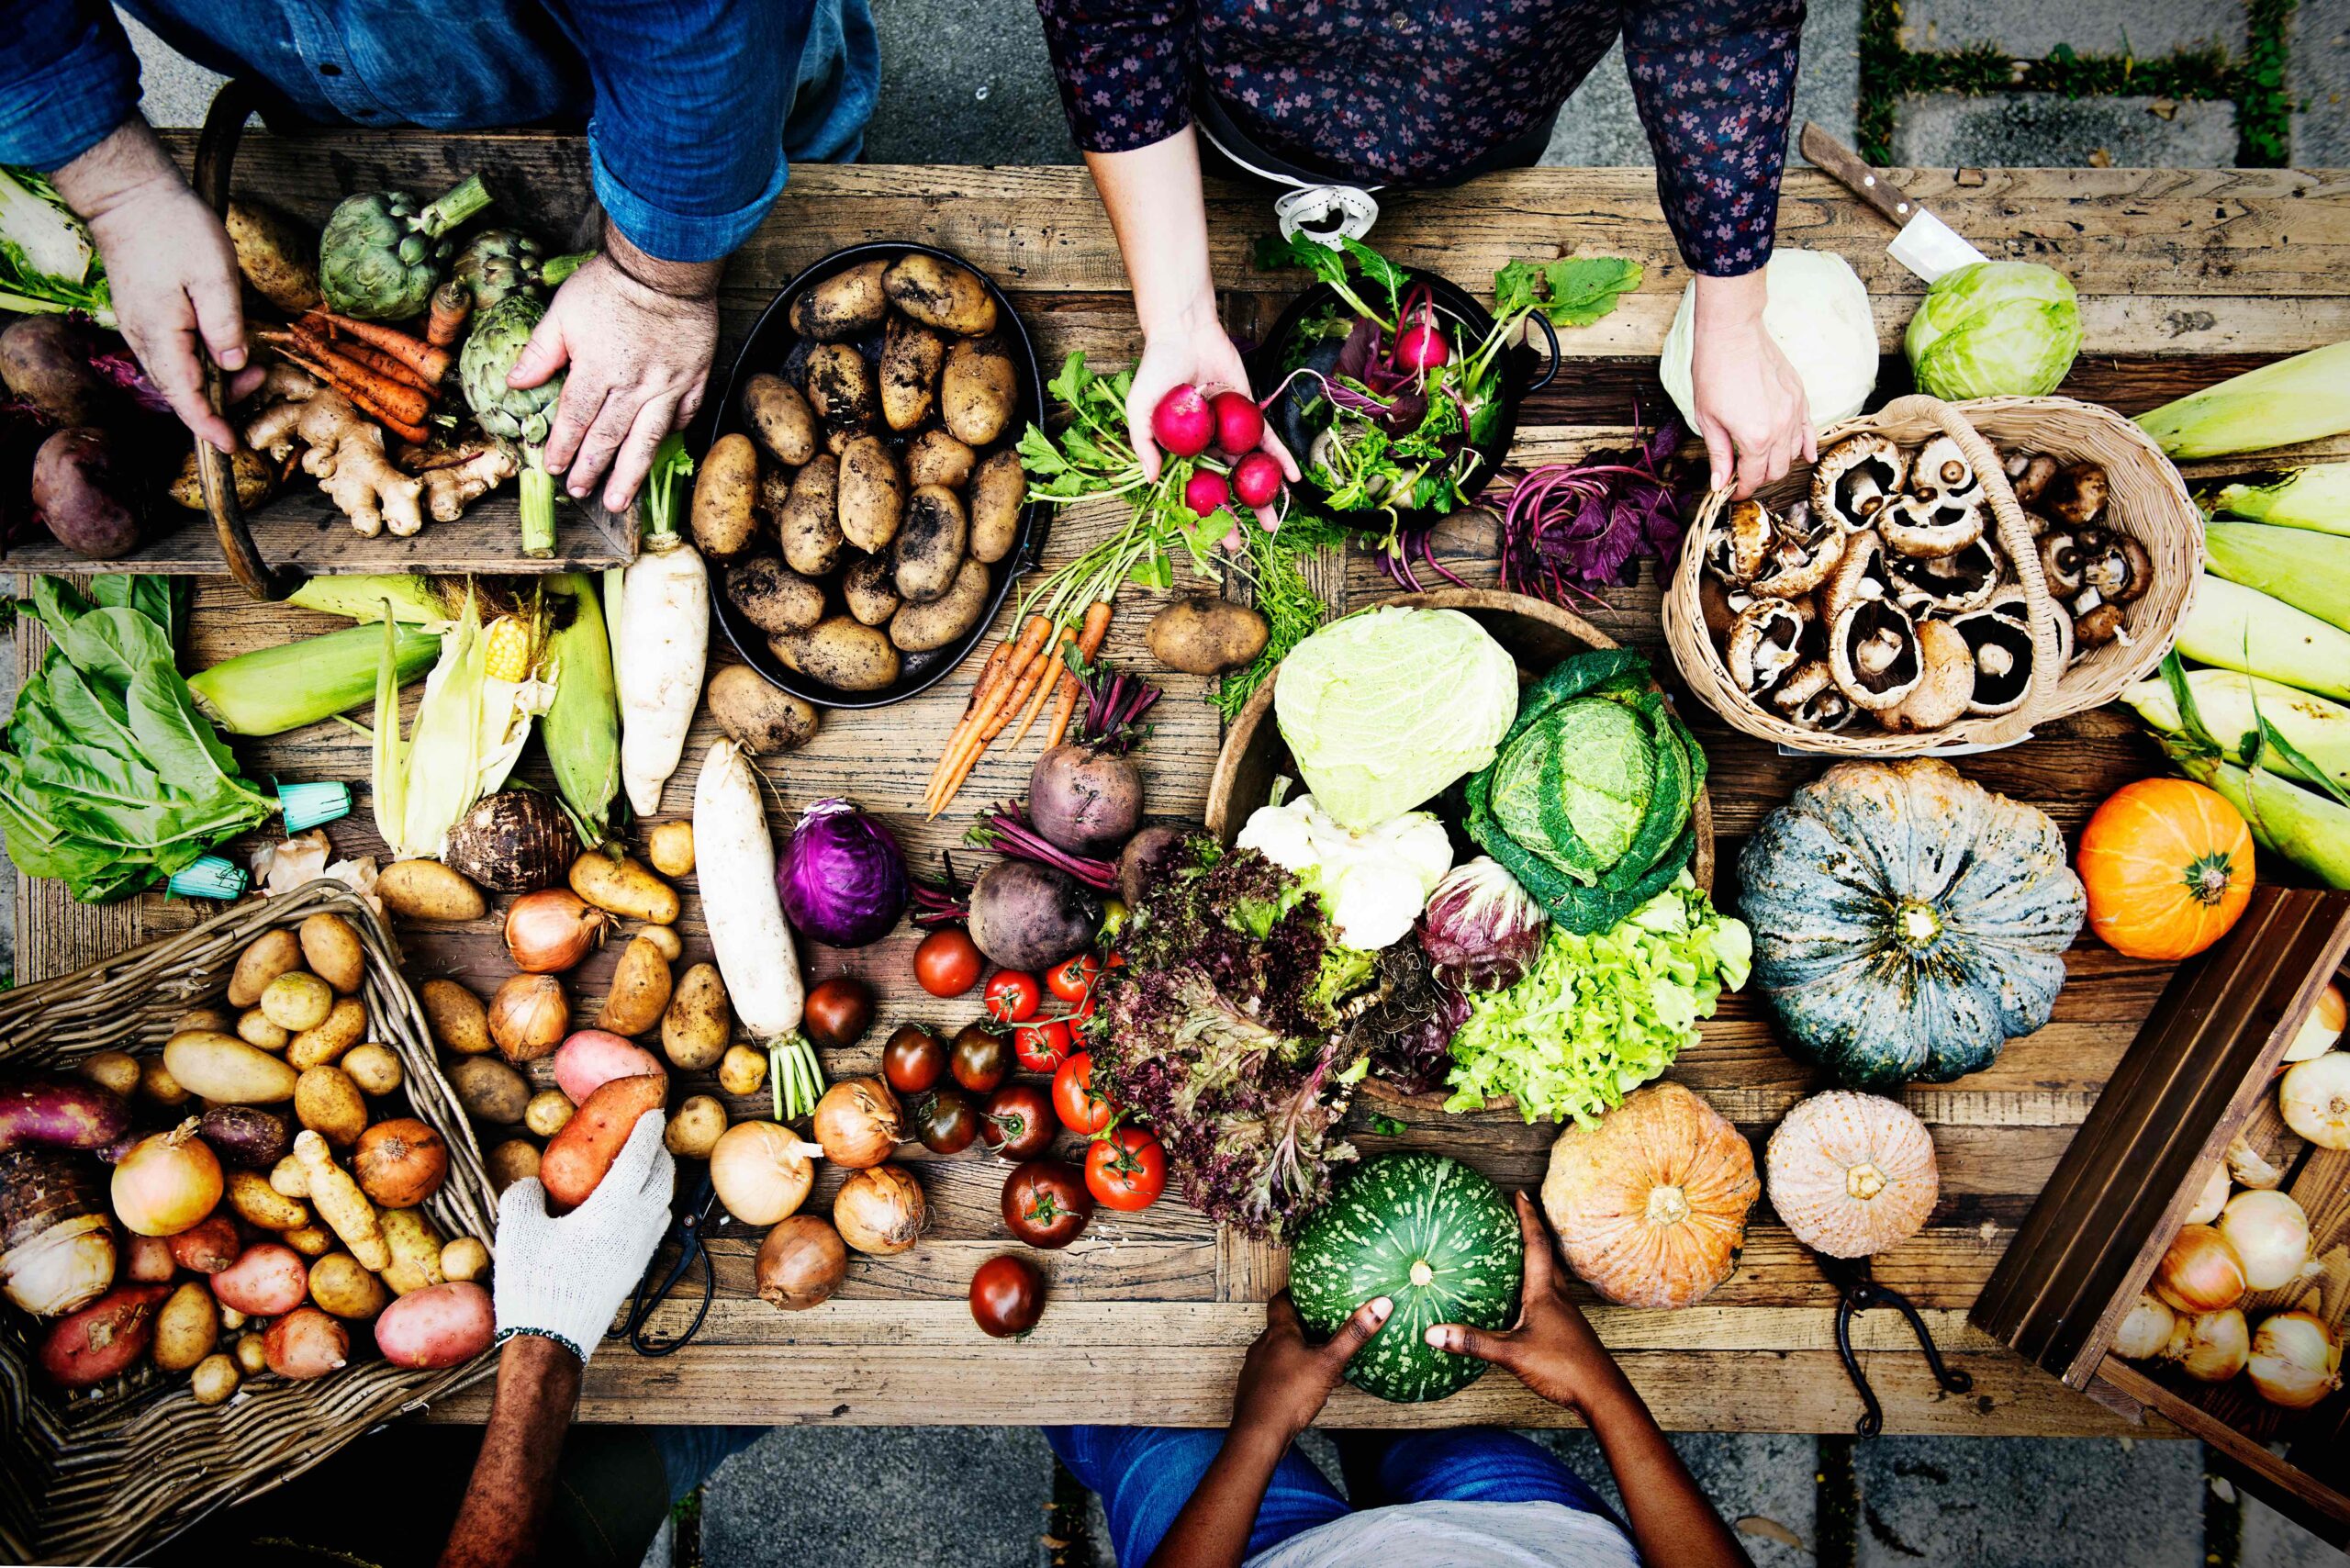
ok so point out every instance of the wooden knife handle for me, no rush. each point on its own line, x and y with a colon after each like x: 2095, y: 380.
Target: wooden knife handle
x: 1842, y: 164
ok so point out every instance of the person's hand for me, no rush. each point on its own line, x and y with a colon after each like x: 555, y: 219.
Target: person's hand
x: 565, y: 1278
x: 1752, y: 411
x: 638, y: 355
x: 1193, y: 351
x: 1285, y: 1381
x: 1551, y: 1346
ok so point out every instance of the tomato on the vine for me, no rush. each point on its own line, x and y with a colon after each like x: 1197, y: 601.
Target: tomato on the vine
x: 1042, y: 1046
x: 1011, y: 996
x: 1125, y: 1167
x: 1072, y: 979
x: 947, y: 963
x: 1081, y: 1107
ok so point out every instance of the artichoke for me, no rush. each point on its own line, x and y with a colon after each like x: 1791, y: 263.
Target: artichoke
x: 380, y: 256
x: 499, y: 261
x: 523, y: 414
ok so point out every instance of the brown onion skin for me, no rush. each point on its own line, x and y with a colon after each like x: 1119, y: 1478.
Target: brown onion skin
x: 529, y: 1017
x: 858, y: 1122
x: 551, y: 930
x: 802, y: 1263
x: 880, y: 1211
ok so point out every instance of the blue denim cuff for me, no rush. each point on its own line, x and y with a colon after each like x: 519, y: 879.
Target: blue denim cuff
x: 667, y: 234
x: 60, y: 107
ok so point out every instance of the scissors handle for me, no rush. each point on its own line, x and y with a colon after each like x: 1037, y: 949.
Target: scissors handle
x: 650, y: 1296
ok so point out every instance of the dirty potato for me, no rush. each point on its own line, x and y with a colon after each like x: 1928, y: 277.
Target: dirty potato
x: 843, y: 654
x: 806, y: 527
x: 911, y: 355
x: 872, y: 494
x: 975, y: 391
x: 780, y: 417
x: 937, y: 458
x: 845, y: 304
x: 940, y: 293
x: 995, y: 495
x: 840, y: 387
x: 1206, y: 636
x: 932, y: 544
x: 870, y: 588
x: 772, y: 597
x: 755, y: 716
x: 255, y: 480
x: 918, y: 628
x: 724, y: 487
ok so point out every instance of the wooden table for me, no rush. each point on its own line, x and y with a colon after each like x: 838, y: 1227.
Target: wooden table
x: 2184, y: 277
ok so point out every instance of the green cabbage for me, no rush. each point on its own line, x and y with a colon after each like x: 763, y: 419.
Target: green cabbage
x: 1994, y: 328
x: 1385, y: 708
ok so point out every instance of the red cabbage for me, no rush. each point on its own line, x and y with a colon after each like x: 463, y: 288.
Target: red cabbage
x: 841, y: 876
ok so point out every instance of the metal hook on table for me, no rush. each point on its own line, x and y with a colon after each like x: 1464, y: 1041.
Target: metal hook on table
x: 690, y: 1220
x: 1857, y: 1291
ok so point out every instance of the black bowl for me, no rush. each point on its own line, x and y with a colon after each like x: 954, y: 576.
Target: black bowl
x: 1518, y: 376
x: 769, y: 348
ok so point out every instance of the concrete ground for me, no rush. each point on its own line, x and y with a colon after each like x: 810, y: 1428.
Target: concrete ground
x: 965, y: 81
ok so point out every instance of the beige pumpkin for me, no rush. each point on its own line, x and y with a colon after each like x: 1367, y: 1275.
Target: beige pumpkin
x: 1650, y: 1203
x: 1852, y: 1175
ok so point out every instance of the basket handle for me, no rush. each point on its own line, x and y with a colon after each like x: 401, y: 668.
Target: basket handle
x: 216, y: 152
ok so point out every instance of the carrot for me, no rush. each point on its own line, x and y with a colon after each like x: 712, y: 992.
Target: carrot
x: 1088, y: 643
x: 989, y: 673
x: 445, y: 323
x: 354, y: 380
x: 985, y: 713
x: 431, y: 363
x: 1045, y: 686
x: 389, y: 367
x: 333, y: 374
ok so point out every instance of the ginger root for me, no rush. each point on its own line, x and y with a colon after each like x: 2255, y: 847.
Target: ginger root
x: 450, y: 488
x: 344, y: 452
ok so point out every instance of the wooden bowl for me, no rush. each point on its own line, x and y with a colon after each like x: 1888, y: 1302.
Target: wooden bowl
x: 1537, y: 634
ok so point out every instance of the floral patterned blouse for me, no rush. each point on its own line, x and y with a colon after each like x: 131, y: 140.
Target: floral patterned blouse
x: 1403, y: 91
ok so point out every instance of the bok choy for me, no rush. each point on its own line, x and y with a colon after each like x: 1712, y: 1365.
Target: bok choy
x: 48, y: 262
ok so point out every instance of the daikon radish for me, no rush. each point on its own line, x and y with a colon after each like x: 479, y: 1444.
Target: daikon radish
x: 734, y: 863
x: 660, y: 639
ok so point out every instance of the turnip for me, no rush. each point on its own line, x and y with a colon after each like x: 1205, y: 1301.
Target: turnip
x: 1182, y: 423
x: 1257, y: 479
x: 1239, y: 423
x: 1205, y: 491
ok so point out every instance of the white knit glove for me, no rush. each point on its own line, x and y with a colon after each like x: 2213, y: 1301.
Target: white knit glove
x: 567, y: 1278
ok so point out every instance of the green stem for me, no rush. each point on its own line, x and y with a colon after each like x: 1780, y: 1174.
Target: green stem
x: 538, y: 504
x: 454, y: 207
x: 553, y: 272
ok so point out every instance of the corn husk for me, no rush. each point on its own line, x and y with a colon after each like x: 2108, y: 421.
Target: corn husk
x: 2240, y: 628
x: 2306, y: 397
x: 2308, y: 571
x: 469, y: 731
x: 2305, y: 828
x: 2225, y: 701
x: 2315, y: 498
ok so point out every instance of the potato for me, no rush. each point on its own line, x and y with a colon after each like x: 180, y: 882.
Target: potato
x: 1206, y: 636
x: 269, y: 1279
x: 723, y: 485
x: 975, y: 390
x: 345, y: 1026
x: 665, y: 938
x: 840, y: 388
x: 694, y: 1126
x: 742, y: 1070
x: 254, y: 1028
x: 780, y: 417
x: 871, y: 590
x: 399, y: 1163
x: 264, y: 959
x: 277, y: 254
x: 87, y: 494
x: 516, y: 1159
x: 848, y: 303
x: 255, y: 480
x: 297, y: 1000
x: 940, y: 293
x: 186, y: 1328
x: 103, y: 1339
x: 214, y: 1379
x: 259, y: 1202
x: 426, y: 890
x: 489, y: 1090
x: 312, y: 1240
x: 695, y: 1029
x: 375, y: 1068
x: 618, y: 885
x: 287, y: 1179
x: 911, y: 355
x: 670, y: 848
x: 577, y: 1156
x: 936, y: 457
x: 415, y: 1251
x: 759, y: 718
x: 547, y: 1110
x: 208, y: 1246
x: 995, y: 496
x: 464, y: 1258
x: 769, y: 497
x: 156, y: 1082
x: 460, y: 1023
x: 219, y: 1020
x: 149, y: 1260
x: 918, y: 628
x: 930, y: 549
x: 640, y: 992
x: 445, y: 1324
x: 117, y: 1072
x: 232, y: 1320
x: 872, y: 494
x: 329, y: 1105
x: 223, y: 1067
x: 250, y: 1354
x: 331, y: 950
x: 772, y: 597
x: 808, y: 528
x: 843, y: 654
x: 306, y: 1343
x: 340, y: 1286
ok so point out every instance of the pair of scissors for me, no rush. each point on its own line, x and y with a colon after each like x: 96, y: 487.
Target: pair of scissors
x: 1856, y: 1292
x: 689, y: 1219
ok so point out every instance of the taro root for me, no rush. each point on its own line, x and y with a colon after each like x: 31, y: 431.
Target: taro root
x: 515, y: 841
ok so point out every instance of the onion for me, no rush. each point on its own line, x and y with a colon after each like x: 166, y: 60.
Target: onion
x: 2211, y: 1347
x: 527, y: 1016
x: 167, y: 1184
x: 2315, y: 1099
x: 762, y: 1171
x: 857, y: 1123
x: 2200, y: 1272
x: 2270, y: 1235
x: 2145, y: 1330
x: 2321, y: 1030
x: 2246, y: 1167
x: 550, y: 930
x: 2211, y: 1199
x: 880, y: 1210
x: 802, y: 1263
x: 2295, y: 1360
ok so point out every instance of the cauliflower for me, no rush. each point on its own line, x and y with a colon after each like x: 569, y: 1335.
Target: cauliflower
x: 1372, y: 884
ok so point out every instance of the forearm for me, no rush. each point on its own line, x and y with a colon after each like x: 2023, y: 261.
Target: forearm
x: 679, y: 280
x: 1213, y: 1529
x: 538, y: 1383
x: 1157, y: 209
x: 1673, y: 1523
x: 127, y: 161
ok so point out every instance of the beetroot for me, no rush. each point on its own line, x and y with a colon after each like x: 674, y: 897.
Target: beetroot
x: 1084, y: 799
x: 1257, y: 479
x: 1239, y: 423
x: 1205, y: 491
x: 1182, y: 423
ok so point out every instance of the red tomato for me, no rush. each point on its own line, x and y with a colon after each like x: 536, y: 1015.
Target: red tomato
x: 1073, y: 979
x: 1046, y: 1203
x: 1011, y: 996
x: 1007, y: 1296
x: 947, y: 963
x: 1041, y: 1048
x: 1079, y: 1009
x: 1081, y: 1109
x: 1125, y: 1169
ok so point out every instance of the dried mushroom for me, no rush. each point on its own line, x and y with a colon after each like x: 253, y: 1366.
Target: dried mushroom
x: 1855, y: 478
x: 1999, y: 642
x: 1767, y: 642
x: 1941, y: 469
x: 1873, y: 653
x: 1804, y: 550
x: 1742, y: 541
x: 1932, y: 524
x: 1946, y: 684
x: 1809, y: 698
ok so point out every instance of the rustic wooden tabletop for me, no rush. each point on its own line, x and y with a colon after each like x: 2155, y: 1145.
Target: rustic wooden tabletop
x: 2184, y: 277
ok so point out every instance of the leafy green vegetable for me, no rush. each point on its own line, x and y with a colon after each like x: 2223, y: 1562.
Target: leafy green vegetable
x: 1994, y: 328
x: 1293, y: 611
x: 1600, y: 1014
x: 110, y: 780
x: 48, y: 262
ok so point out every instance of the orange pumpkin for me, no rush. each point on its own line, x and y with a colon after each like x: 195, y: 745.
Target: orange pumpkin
x: 2167, y: 865
x: 1650, y: 1203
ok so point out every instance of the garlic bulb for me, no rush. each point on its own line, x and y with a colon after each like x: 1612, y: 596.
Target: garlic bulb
x: 2144, y: 1330
x: 2295, y: 1360
x: 2315, y: 1099
x: 2212, y: 1348
x: 2270, y: 1235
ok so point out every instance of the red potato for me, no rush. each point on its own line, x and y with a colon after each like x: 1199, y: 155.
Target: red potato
x: 306, y: 1343
x: 105, y: 1339
x: 60, y: 1113
x: 151, y: 1261
x: 577, y: 1156
x: 209, y: 1245
x: 439, y: 1326
x: 269, y: 1279
x: 593, y: 1058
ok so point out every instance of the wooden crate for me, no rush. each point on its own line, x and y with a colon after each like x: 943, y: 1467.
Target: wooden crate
x: 2201, y: 1073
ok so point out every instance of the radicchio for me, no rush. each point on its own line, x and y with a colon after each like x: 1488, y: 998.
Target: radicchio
x: 1481, y: 930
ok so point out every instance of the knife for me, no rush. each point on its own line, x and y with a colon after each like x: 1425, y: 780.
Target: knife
x: 1926, y: 246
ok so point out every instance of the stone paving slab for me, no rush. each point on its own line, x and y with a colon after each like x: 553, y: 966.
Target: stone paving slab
x: 881, y: 1497
x: 965, y: 82
x: 2016, y: 1502
x: 2028, y: 129
x: 2320, y: 83
x: 2269, y: 1540
x: 2026, y: 31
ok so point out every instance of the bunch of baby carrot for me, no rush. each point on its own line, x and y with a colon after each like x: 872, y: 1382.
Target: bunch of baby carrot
x: 391, y: 376
x: 1016, y: 680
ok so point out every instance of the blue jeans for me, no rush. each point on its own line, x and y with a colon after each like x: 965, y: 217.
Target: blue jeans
x: 1144, y: 1475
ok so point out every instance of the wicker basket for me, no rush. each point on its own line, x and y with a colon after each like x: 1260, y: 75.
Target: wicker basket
x: 2146, y: 500
x: 108, y: 1474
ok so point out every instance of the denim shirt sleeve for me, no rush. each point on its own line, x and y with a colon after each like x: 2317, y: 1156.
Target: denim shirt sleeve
x: 1124, y: 67
x: 686, y: 146
x: 67, y: 79
x: 1716, y: 83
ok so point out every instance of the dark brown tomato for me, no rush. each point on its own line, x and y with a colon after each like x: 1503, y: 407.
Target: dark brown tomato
x: 838, y: 1012
x: 1018, y: 1123
x: 1046, y: 1202
x: 981, y: 1060
x: 914, y: 1060
x: 1007, y: 1296
x: 946, y: 1121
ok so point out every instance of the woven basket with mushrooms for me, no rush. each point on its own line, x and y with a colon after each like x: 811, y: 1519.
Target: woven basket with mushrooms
x: 1887, y: 597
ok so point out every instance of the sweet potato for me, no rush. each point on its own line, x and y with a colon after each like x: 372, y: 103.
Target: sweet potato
x: 577, y: 1156
x: 105, y: 1339
x: 269, y: 1279
x: 593, y: 1058
x: 306, y: 1343
x: 60, y: 1113
x: 442, y: 1326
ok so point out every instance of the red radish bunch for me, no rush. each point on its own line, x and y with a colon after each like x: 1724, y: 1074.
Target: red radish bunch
x: 1182, y: 424
x: 1239, y: 423
x: 1257, y: 479
x: 1187, y: 422
x: 1205, y: 491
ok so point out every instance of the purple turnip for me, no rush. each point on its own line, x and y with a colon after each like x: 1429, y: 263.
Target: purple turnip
x: 1239, y: 423
x: 1084, y: 799
x: 1182, y: 423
